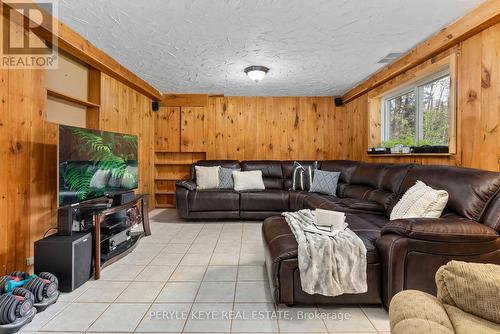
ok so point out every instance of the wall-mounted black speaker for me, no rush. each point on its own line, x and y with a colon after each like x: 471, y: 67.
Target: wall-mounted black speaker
x: 338, y: 102
x: 155, y: 105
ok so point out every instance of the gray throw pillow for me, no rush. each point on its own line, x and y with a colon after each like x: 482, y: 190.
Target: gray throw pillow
x: 325, y: 182
x: 226, y: 177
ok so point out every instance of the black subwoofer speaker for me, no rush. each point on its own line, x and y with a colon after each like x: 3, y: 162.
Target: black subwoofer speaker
x: 67, y: 257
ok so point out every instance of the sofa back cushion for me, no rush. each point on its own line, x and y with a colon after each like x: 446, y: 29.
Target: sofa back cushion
x: 369, y: 175
x: 388, y: 187
x: 470, y: 190
x: 492, y: 215
x: 271, y: 172
x: 345, y: 167
x: 365, y: 179
x: 235, y: 164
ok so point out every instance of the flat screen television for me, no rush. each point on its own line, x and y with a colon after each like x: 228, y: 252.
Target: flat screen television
x: 95, y: 163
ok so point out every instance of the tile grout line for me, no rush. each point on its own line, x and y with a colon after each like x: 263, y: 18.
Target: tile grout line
x: 199, y: 287
x: 236, y: 280
x: 367, y: 317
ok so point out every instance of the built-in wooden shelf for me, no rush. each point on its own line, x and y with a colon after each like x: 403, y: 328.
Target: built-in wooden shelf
x: 172, y: 163
x: 72, y: 99
x: 170, y: 167
x: 165, y: 206
x: 164, y: 192
x: 159, y: 178
x: 411, y: 155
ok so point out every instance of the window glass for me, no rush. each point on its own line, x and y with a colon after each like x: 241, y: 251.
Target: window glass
x: 402, y: 119
x: 435, y: 125
x: 419, y: 115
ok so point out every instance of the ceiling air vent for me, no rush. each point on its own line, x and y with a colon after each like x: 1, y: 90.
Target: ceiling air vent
x: 390, y: 58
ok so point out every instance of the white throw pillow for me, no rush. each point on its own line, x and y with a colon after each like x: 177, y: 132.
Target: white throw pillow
x: 420, y: 201
x: 207, y: 177
x: 251, y: 180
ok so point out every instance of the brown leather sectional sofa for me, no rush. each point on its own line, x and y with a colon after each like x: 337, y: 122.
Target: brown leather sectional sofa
x: 401, y: 254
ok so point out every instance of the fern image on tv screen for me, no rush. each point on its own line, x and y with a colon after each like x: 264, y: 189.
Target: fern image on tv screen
x: 95, y: 163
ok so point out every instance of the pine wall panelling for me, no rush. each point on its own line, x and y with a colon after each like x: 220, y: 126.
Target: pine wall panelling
x: 241, y: 128
x: 478, y: 109
x: 253, y: 128
x: 125, y: 110
x: 28, y: 190
x: 28, y: 193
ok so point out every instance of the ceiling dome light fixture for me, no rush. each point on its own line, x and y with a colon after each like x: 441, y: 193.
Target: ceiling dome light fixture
x: 256, y: 73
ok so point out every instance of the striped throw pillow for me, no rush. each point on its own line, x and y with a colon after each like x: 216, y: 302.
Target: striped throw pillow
x: 302, y: 176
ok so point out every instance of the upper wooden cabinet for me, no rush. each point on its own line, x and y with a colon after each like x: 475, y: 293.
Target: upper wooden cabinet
x: 194, y: 129
x: 167, y: 129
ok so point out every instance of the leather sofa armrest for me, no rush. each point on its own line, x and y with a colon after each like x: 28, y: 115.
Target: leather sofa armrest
x: 182, y: 190
x: 441, y: 229
x: 188, y: 184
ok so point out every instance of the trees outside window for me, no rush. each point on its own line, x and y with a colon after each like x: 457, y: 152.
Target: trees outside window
x: 419, y: 114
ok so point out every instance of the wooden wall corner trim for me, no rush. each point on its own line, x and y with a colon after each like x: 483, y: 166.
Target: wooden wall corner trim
x: 184, y: 100
x: 483, y: 17
x: 77, y: 46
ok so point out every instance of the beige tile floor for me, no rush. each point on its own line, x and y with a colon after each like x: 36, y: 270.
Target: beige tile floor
x: 195, y: 278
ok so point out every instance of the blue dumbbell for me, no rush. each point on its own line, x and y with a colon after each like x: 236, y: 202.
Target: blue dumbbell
x: 12, y: 284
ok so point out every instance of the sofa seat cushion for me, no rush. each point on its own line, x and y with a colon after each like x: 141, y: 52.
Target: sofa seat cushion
x: 321, y: 201
x: 358, y: 191
x: 264, y: 200
x: 296, y: 199
x: 214, y: 200
x: 367, y: 227
x: 360, y: 204
x: 282, y: 245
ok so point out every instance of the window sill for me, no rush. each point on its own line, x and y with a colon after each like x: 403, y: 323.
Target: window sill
x: 411, y: 155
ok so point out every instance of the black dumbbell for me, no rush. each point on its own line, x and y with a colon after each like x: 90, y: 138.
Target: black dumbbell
x: 8, y: 308
x: 41, y: 288
x: 20, y: 274
x: 50, y: 277
x: 26, y: 301
x: 3, y: 283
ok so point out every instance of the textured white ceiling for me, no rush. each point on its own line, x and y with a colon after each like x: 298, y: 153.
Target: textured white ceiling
x: 313, y: 47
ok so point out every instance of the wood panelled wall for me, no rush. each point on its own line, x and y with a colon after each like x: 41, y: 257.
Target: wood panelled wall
x: 250, y: 128
x: 478, y: 110
x: 28, y: 196
x: 28, y: 171
x: 240, y: 128
x: 28, y: 190
x: 273, y: 128
x: 125, y: 110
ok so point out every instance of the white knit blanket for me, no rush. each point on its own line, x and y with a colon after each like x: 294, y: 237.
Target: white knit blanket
x: 329, y: 265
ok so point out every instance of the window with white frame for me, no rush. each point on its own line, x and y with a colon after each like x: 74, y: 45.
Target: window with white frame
x: 418, y: 114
